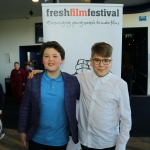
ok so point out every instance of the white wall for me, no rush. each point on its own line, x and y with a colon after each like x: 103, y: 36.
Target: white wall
x: 132, y: 20
x: 14, y: 33
x: 21, y: 32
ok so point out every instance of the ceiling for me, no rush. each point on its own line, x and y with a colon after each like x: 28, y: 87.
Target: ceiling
x: 15, y: 9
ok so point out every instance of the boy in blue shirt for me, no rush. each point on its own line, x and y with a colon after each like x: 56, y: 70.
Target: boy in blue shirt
x: 48, y: 110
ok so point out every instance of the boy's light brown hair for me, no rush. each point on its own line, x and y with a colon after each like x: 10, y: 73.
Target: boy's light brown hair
x: 101, y: 48
x: 16, y: 63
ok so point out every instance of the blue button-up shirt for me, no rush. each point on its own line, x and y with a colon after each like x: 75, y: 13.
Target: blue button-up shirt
x: 53, y: 129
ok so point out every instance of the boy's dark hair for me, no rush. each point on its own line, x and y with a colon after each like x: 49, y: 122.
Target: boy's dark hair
x: 102, y: 48
x: 16, y: 63
x: 55, y: 45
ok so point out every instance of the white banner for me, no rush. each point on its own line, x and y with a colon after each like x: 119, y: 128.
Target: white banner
x: 78, y: 26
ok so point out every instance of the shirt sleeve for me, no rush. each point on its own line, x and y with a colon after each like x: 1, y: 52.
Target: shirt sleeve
x: 77, y: 89
x: 25, y: 109
x: 23, y: 76
x: 78, y: 77
x: 125, y: 118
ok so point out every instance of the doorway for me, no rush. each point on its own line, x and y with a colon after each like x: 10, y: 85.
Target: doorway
x: 31, y: 53
x: 135, y: 54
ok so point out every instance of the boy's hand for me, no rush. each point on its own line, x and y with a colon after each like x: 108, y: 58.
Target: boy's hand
x: 0, y: 112
x: 23, y: 138
x: 31, y: 75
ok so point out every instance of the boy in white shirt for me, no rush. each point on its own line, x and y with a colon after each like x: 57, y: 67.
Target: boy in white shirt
x: 104, y: 117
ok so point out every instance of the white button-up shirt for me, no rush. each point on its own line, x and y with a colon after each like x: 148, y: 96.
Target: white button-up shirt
x: 103, y: 106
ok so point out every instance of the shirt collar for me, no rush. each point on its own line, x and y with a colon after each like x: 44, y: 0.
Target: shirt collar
x: 103, y: 79
x: 48, y: 78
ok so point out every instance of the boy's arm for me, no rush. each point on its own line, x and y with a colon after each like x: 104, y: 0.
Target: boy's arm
x: 125, y: 118
x: 77, y: 89
x: 31, y: 74
x: 78, y: 76
x: 25, y: 109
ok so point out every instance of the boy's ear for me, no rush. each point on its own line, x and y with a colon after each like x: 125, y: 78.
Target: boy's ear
x: 62, y: 60
x: 91, y: 62
x: 111, y: 61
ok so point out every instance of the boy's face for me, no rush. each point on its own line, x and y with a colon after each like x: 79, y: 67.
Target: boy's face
x: 16, y: 65
x: 27, y: 67
x: 52, y: 60
x: 99, y: 68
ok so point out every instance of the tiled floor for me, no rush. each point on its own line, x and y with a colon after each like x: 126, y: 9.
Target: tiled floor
x: 11, y: 141
x: 139, y: 143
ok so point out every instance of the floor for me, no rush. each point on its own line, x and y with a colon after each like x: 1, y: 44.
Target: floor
x: 11, y: 141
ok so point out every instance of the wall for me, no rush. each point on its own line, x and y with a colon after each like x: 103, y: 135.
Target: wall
x: 14, y: 33
x: 132, y: 20
x: 21, y: 32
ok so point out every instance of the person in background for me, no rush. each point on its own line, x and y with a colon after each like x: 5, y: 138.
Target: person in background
x: 2, y: 133
x: 48, y: 110
x: 27, y: 71
x: 31, y: 65
x: 129, y: 76
x: 125, y: 67
x: 17, y: 80
x: 104, y: 117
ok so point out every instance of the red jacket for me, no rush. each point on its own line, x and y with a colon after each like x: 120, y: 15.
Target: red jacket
x: 17, y: 76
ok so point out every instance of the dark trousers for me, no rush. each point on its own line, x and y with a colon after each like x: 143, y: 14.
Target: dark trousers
x: 36, y: 146
x: 86, y: 148
x: 17, y: 90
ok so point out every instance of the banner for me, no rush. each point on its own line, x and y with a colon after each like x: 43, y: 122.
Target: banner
x: 78, y: 26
